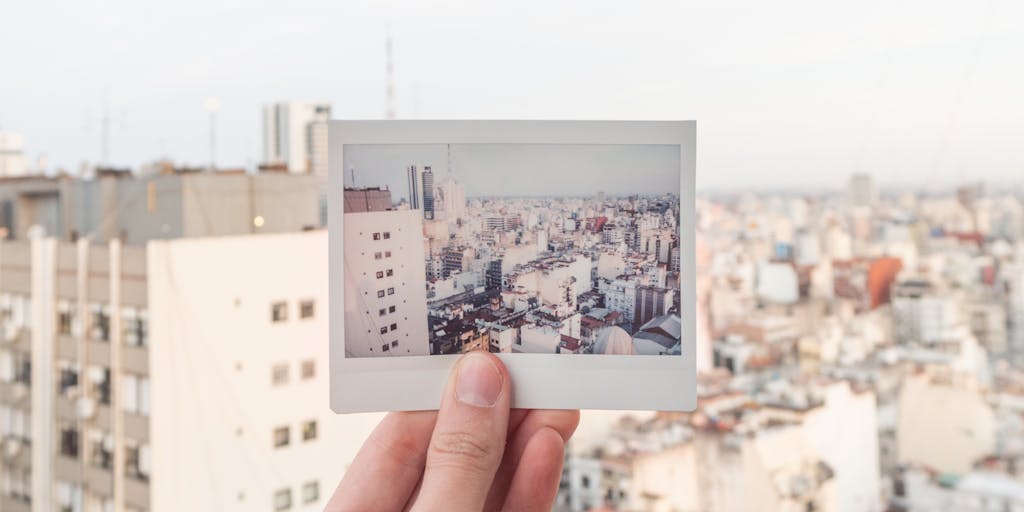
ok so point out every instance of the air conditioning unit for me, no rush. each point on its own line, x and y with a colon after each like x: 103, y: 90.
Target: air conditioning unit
x: 86, y: 408
x: 10, y: 446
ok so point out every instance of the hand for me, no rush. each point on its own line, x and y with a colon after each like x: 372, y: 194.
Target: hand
x: 473, y: 454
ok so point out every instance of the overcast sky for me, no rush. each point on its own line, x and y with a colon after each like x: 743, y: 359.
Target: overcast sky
x: 520, y: 169
x: 786, y: 93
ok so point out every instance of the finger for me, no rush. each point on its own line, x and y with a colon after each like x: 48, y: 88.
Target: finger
x: 535, y: 484
x: 469, y: 437
x: 388, y: 466
x: 562, y: 422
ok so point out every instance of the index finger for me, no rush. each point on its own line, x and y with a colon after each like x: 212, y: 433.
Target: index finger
x: 388, y: 466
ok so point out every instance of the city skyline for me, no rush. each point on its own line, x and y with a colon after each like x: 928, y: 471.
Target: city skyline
x: 540, y: 170
x: 915, y: 95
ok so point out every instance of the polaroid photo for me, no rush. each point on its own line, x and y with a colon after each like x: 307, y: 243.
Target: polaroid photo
x: 564, y: 247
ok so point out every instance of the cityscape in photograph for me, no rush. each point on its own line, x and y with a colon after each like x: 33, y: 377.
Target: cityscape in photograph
x: 164, y: 331
x: 537, y: 274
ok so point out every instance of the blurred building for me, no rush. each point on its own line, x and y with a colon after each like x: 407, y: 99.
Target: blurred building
x: 99, y: 337
x: 13, y: 162
x: 295, y: 135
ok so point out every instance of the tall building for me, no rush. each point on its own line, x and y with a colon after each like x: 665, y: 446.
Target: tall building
x: 133, y: 376
x: 12, y: 157
x: 861, y: 190
x: 414, y: 188
x: 651, y: 301
x: 179, y: 375
x: 295, y: 135
x: 385, y: 285
x: 428, y: 193
x: 452, y: 197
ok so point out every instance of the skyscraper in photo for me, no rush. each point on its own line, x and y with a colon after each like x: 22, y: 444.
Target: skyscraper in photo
x: 414, y: 188
x: 295, y: 136
x: 428, y: 193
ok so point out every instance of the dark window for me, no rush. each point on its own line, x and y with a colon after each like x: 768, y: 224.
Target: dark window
x: 278, y: 312
x: 281, y: 436
x: 394, y: 343
x: 306, y: 309
x: 394, y: 327
x: 391, y: 309
x: 387, y: 254
x: 380, y: 294
x: 391, y: 291
x: 376, y: 236
x: 387, y: 235
x: 308, y: 369
x: 384, y: 347
x: 383, y: 330
x: 309, y: 430
x: 382, y: 312
x: 377, y: 256
x: 69, y: 442
x: 380, y: 274
x: 391, y: 272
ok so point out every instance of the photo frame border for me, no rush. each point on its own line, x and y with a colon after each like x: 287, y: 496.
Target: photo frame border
x: 539, y: 381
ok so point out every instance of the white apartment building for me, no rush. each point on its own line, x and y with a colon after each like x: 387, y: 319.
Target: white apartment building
x: 385, y: 284
x: 295, y: 134
x: 12, y: 156
x: 187, y: 374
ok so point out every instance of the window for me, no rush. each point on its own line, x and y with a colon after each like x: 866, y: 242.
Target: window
x: 283, y: 499
x: 102, y: 449
x: 391, y: 309
x: 308, y: 369
x: 133, y: 466
x: 100, y: 378
x: 391, y: 272
x: 376, y: 236
x: 384, y: 347
x: 309, y: 430
x: 279, y: 312
x: 380, y: 294
x: 64, y: 322
x: 279, y: 374
x: 69, y: 442
x: 394, y: 327
x: 100, y: 323
x: 391, y: 291
x: 134, y: 326
x: 306, y: 309
x: 382, y: 312
x: 376, y: 255
x: 68, y: 377
x: 387, y: 254
x: 380, y: 274
x: 384, y: 330
x: 281, y: 435
x: 387, y: 235
x: 310, y: 492
x: 394, y: 344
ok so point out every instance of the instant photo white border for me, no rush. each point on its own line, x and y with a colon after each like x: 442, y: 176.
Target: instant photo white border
x: 539, y: 381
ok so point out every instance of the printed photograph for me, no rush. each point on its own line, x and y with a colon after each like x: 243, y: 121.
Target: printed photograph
x: 514, y: 248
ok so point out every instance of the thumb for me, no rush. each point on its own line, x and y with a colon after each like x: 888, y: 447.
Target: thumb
x: 469, y: 436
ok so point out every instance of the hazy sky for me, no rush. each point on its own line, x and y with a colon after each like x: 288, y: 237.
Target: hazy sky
x: 521, y: 169
x: 785, y: 93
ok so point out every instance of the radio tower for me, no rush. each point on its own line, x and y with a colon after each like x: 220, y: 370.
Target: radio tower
x: 391, y: 80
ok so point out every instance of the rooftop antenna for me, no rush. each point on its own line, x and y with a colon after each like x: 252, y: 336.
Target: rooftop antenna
x: 212, y: 105
x: 105, y: 133
x: 352, y: 176
x: 391, y: 79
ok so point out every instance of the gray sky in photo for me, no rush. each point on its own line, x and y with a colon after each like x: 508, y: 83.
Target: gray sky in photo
x: 788, y: 93
x: 521, y: 169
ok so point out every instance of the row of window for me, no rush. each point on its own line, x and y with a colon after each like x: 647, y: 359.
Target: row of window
x: 386, y: 235
x: 283, y: 497
x: 381, y: 255
x: 282, y: 435
x: 380, y: 293
x: 279, y: 374
x: 279, y: 310
x: 134, y: 323
x: 100, y: 451
x: 381, y: 274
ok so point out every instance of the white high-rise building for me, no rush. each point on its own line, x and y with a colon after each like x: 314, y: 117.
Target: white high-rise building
x: 452, y: 198
x: 861, y: 190
x: 385, y: 284
x: 295, y: 135
x: 12, y: 156
x: 178, y: 375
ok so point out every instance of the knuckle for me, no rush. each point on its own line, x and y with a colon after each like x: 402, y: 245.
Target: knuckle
x: 461, y: 449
